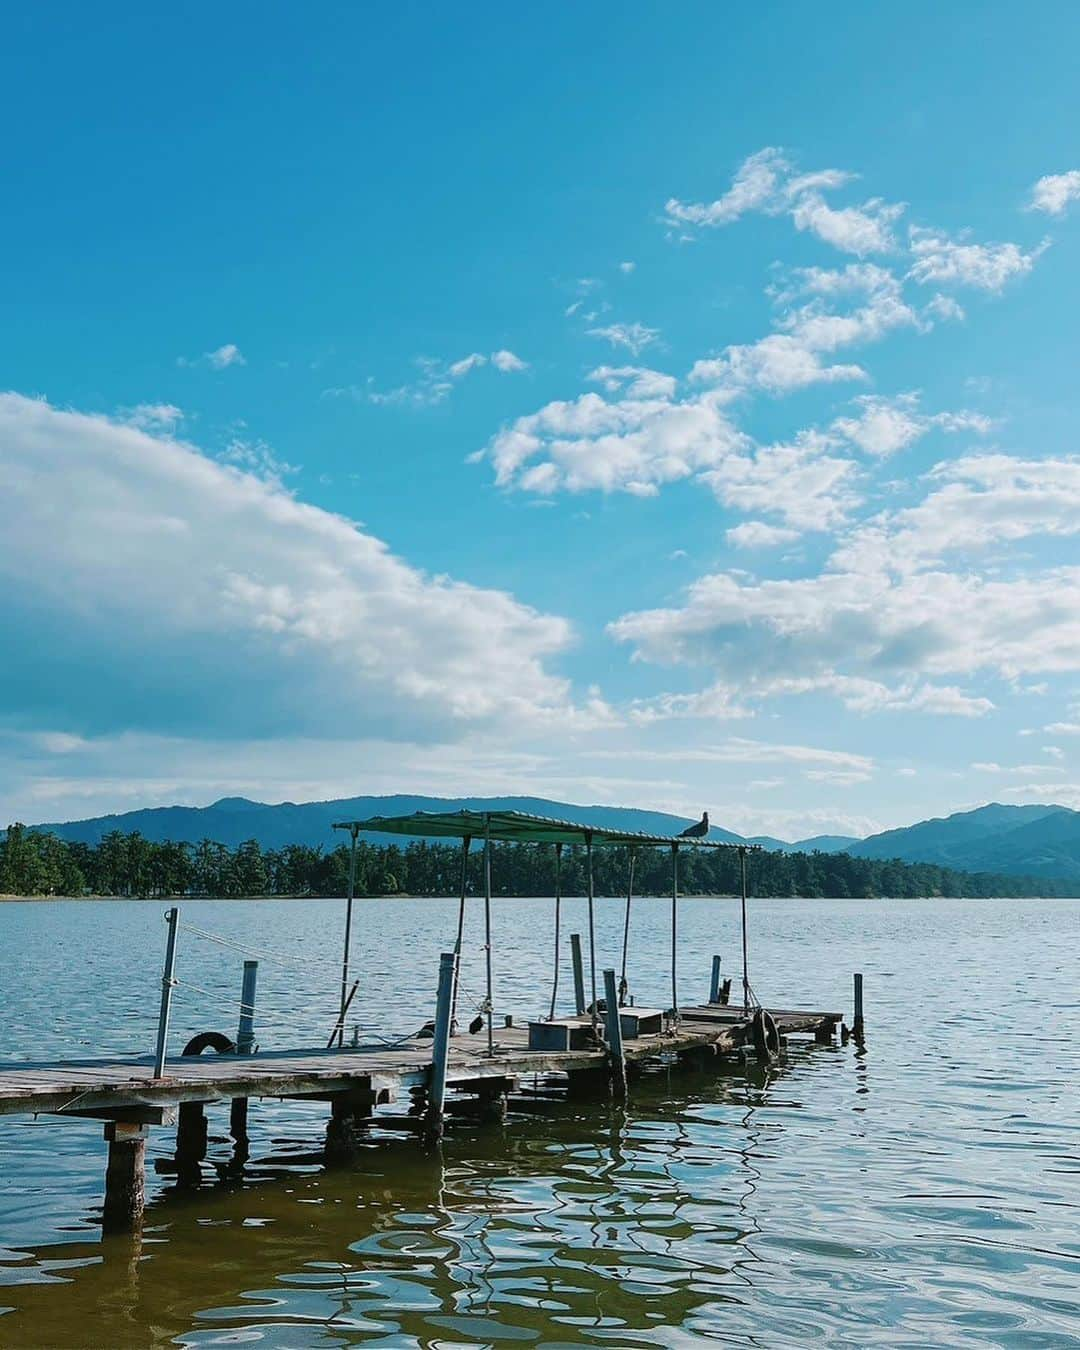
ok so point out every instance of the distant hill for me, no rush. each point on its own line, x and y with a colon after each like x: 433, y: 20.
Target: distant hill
x: 817, y: 843
x: 234, y: 819
x: 1041, y: 841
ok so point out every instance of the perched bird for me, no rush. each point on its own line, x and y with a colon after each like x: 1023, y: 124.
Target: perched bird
x: 697, y: 831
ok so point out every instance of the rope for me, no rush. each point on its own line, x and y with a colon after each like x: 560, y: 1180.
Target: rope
x: 303, y: 963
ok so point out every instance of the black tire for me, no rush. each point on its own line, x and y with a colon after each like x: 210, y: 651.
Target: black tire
x: 209, y: 1040
x: 766, y: 1036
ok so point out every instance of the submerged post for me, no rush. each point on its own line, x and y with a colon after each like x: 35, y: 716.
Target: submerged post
x: 168, y: 982
x: 125, y: 1177
x: 613, y: 1019
x: 858, y: 1027
x: 674, y: 931
x: 558, y: 916
x: 592, y: 929
x: 714, y: 982
x: 441, y: 1046
x: 348, y: 940
x: 745, y: 962
x: 579, y: 973
x: 487, y: 931
x: 466, y: 844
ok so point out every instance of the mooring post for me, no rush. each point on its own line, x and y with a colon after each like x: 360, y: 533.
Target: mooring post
x: 579, y: 973
x: 714, y: 982
x: 125, y: 1177
x: 612, y: 1015
x: 168, y: 981
x: 675, y: 934
x: 858, y: 1027
x: 444, y: 1003
x: 245, y: 1045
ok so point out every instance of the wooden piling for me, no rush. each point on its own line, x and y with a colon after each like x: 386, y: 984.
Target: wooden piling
x: 245, y: 1045
x: 350, y: 1117
x: 444, y: 1003
x: 714, y: 982
x: 125, y: 1177
x: 616, y: 1057
x: 579, y: 974
x: 858, y: 1026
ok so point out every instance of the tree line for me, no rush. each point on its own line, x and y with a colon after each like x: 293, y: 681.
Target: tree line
x: 37, y: 863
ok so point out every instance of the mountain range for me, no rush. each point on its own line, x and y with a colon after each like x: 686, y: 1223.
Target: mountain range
x: 1041, y: 841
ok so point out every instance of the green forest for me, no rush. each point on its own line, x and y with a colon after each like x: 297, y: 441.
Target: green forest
x: 35, y: 863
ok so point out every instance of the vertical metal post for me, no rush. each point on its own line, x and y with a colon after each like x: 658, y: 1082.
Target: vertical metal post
x: 348, y: 942
x: 487, y: 932
x: 858, y: 1028
x: 624, y: 987
x: 613, y: 1019
x: 579, y: 973
x: 245, y: 1034
x: 745, y: 962
x: 592, y: 930
x: 441, y: 1046
x: 466, y: 844
x: 714, y: 982
x: 558, y: 918
x: 675, y: 931
x: 168, y: 981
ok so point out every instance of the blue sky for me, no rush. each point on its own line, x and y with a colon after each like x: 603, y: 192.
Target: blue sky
x: 662, y: 405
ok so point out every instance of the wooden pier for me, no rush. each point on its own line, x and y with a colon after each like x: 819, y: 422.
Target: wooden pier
x: 357, y: 1083
x: 417, y: 1083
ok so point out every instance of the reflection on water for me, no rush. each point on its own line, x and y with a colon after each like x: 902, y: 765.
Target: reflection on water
x: 925, y: 1192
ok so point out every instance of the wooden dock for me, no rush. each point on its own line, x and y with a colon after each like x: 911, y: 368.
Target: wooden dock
x: 359, y: 1083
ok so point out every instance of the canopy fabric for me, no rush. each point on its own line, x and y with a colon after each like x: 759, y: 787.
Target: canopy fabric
x: 516, y: 827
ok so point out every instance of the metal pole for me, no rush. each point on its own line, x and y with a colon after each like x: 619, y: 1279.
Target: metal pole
x: 745, y: 963
x: 441, y: 1047
x: 487, y: 930
x: 614, y: 1034
x: 466, y: 844
x: 623, y: 985
x: 592, y: 931
x: 348, y: 941
x: 579, y: 973
x: 674, y: 930
x: 558, y: 907
x: 245, y: 1035
x: 168, y: 981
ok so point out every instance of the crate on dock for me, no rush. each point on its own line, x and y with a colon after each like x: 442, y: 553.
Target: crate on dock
x: 640, y: 1022
x: 564, y: 1033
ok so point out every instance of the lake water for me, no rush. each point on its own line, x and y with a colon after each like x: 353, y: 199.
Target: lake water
x: 923, y: 1192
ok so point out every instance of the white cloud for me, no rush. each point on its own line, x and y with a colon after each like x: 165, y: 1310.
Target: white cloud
x: 151, y: 416
x: 1055, y: 191
x: 768, y: 182
x: 456, y: 369
x: 627, y: 266
x: 1063, y: 728
x: 221, y: 601
x: 637, y: 381
x: 884, y: 426
x: 635, y: 337
x: 633, y: 444
x: 987, y: 267
x: 858, y: 230
x: 221, y: 358
x: 884, y: 623
x: 756, y: 534
x: 806, y: 486
x: 507, y: 361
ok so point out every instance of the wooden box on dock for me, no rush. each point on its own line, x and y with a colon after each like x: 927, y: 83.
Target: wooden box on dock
x: 640, y: 1022
x: 564, y: 1033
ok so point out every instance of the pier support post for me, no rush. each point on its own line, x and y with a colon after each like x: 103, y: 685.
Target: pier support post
x: 616, y: 1055
x: 444, y: 1006
x: 350, y: 1115
x: 245, y: 1045
x: 191, y: 1136
x: 714, y: 982
x: 579, y: 973
x: 858, y: 1026
x: 125, y: 1177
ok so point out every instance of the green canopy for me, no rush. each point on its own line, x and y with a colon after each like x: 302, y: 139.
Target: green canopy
x: 516, y: 827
